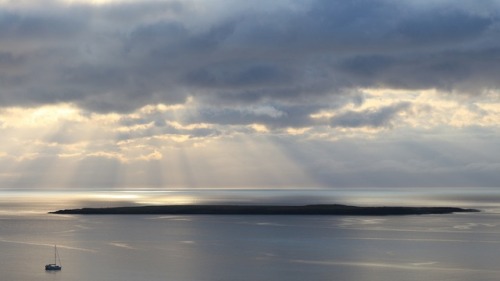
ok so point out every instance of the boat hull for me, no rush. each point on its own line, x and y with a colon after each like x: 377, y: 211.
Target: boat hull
x: 52, y: 267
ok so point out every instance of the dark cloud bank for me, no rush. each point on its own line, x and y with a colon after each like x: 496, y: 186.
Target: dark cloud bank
x: 300, y: 57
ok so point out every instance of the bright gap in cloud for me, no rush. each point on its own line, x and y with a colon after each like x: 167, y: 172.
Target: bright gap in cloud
x: 164, y: 146
x: 61, y: 145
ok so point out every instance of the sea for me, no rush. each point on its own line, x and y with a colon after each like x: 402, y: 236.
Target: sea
x: 460, y: 246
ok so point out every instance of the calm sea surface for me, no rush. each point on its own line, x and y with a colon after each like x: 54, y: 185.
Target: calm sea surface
x: 178, y: 248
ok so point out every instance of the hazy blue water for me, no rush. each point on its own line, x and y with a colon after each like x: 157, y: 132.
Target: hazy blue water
x: 459, y: 247
x: 436, y: 247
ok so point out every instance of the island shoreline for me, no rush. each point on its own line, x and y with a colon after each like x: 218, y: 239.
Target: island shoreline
x: 320, y: 209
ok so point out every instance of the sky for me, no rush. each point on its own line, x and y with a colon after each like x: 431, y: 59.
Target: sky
x: 249, y: 94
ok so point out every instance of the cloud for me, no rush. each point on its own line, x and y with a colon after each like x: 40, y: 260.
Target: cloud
x: 269, y: 64
x: 375, y: 118
x: 124, y: 55
x: 138, y: 150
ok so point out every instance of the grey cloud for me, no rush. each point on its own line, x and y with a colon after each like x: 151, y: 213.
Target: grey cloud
x: 122, y: 56
x: 445, y: 25
x: 159, y: 127
x: 141, y: 10
x: 275, y: 117
x: 9, y: 59
x: 375, y: 118
x: 238, y: 74
x: 39, y: 26
x: 451, y: 70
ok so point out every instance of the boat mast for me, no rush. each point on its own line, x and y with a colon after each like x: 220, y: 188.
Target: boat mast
x: 55, y: 254
x: 58, y: 257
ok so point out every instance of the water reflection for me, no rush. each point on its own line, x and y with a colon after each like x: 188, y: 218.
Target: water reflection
x: 436, y: 247
x: 252, y: 247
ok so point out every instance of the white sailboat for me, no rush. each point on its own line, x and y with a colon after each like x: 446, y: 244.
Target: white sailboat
x: 54, y: 266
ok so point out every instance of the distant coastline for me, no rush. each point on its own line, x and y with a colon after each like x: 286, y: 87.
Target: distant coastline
x: 323, y: 209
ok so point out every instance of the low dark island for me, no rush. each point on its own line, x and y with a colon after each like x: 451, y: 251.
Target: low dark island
x: 324, y: 209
